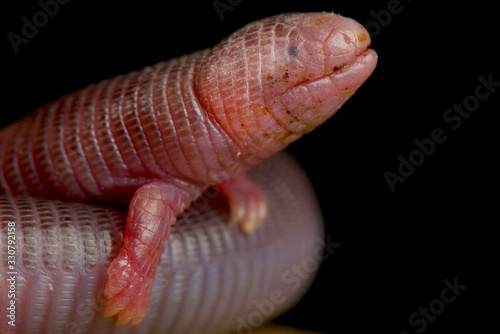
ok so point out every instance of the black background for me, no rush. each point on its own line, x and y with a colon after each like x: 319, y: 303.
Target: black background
x: 396, y: 247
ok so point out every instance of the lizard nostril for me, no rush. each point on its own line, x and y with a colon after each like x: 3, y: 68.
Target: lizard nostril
x: 361, y: 37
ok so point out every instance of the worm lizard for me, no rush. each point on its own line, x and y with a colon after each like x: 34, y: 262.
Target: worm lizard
x: 155, y: 139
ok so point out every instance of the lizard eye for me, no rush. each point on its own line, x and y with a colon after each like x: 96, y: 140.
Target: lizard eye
x: 293, y: 50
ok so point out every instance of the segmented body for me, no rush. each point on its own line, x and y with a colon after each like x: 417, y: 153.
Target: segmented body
x: 154, y: 139
x: 63, y: 251
x: 103, y: 142
x: 196, y: 119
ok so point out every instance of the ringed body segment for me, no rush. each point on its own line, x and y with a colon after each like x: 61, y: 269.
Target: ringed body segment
x: 154, y: 139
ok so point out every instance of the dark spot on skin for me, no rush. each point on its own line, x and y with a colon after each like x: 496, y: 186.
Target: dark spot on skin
x: 288, y: 112
x: 285, y: 76
x: 336, y: 68
x: 269, y: 77
x: 293, y: 50
x: 361, y: 37
x: 242, y: 125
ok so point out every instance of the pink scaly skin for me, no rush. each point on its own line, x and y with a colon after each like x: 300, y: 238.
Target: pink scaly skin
x: 156, y: 138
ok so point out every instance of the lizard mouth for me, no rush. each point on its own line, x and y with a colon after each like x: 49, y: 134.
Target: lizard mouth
x: 310, y: 102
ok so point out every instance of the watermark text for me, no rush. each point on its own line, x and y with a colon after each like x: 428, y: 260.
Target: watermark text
x: 453, y: 119
x: 31, y: 25
x: 11, y: 273
x: 420, y: 320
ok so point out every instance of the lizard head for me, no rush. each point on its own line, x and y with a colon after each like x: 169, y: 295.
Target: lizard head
x: 277, y: 79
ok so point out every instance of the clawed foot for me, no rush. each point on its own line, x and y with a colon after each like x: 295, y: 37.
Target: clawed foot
x: 151, y: 213
x: 129, y: 292
x: 247, y: 202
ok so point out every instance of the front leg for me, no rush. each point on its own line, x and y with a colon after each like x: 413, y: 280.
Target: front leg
x: 152, y: 211
x: 246, y: 200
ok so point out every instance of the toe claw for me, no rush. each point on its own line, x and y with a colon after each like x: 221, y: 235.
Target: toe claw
x: 128, y: 293
x: 256, y: 214
x: 247, y: 202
